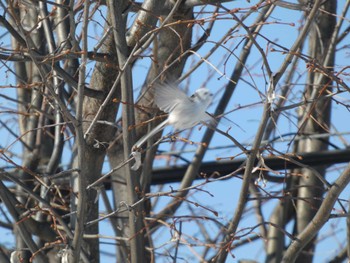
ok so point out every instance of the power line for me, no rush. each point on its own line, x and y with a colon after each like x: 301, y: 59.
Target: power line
x: 175, y: 173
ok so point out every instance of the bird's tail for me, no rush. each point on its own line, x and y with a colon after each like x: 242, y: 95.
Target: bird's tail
x: 153, y: 132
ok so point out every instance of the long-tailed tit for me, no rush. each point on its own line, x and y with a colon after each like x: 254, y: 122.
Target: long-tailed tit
x: 184, y: 112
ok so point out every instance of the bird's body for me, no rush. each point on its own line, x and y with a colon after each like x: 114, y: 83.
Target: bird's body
x: 184, y: 112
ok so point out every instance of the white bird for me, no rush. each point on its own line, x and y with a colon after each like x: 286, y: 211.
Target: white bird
x: 184, y: 112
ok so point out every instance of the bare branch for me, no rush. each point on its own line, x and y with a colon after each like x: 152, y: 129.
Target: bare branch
x: 320, y: 218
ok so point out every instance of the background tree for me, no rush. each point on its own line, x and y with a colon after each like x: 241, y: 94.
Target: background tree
x: 78, y: 87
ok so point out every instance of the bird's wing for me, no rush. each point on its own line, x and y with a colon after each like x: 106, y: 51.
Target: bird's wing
x: 168, y: 96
